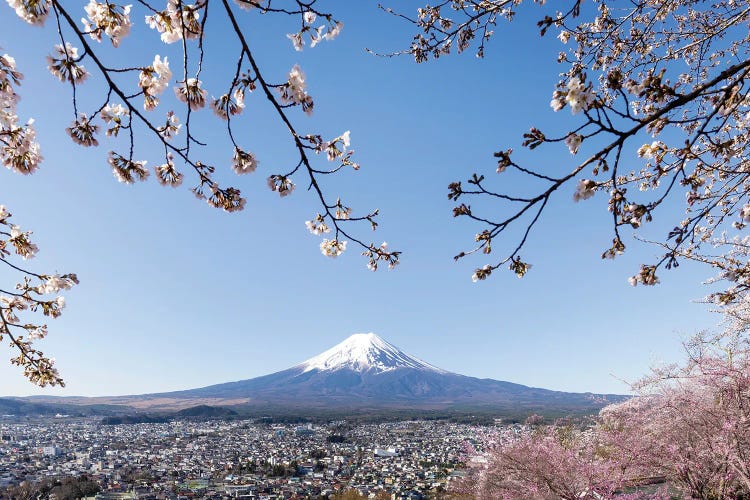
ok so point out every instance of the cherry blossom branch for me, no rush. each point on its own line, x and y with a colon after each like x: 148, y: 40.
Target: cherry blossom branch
x: 185, y: 22
x: 29, y: 298
x: 625, y: 78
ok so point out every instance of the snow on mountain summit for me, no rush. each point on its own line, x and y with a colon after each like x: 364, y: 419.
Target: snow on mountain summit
x: 365, y: 352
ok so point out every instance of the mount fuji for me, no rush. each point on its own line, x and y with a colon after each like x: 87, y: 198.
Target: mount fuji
x: 364, y: 373
x: 365, y: 352
x: 367, y: 371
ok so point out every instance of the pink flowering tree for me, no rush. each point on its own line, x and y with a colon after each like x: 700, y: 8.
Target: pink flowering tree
x: 544, y: 464
x: 554, y: 461
x: 691, y: 424
x: 122, y: 107
x: 658, y: 90
x: 688, y: 429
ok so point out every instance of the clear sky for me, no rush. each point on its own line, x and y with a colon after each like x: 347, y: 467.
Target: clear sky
x: 176, y: 295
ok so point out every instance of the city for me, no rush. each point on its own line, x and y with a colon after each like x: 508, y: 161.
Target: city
x: 239, y: 459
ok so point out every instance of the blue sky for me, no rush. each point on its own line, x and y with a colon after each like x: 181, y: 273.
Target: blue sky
x: 176, y: 295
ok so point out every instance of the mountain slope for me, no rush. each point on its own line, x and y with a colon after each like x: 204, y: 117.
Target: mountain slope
x: 367, y: 370
x: 362, y: 373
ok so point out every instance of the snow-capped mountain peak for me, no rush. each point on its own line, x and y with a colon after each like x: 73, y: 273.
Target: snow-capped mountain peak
x: 365, y: 352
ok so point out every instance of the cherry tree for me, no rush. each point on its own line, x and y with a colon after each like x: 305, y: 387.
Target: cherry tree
x: 125, y: 107
x: 687, y: 429
x: 659, y: 94
x: 546, y: 462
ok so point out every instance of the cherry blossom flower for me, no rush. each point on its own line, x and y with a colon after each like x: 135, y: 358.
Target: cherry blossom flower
x: 294, y: 91
x: 297, y: 42
x: 579, y: 96
x: 229, y: 105
x: 167, y: 174
x: 83, y: 132
x: 281, y: 184
x: 64, y: 65
x: 381, y: 253
x: 586, y: 189
x: 317, y: 226
x: 243, y: 162
x: 114, y: 114
x: 179, y: 20
x: 228, y: 199
x: 31, y: 11
x: 332, y: 248
x: 153, y: 80
x: 191, y: 93
x: 316, y: 36
x: 481, y: 273
x: 573, y: 141
x: 21, y: 242
x: 55, y: 283
x: 333, y: 33
x: 127, y: 171
x: 171, y: 127
x: 247, y: 4
x: 342, y: 212
x: 745, y: 213
x: 107, y: 18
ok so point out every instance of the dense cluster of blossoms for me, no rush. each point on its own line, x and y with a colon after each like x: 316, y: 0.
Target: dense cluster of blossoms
x: 317, y: 226
x: 83, y: 132
x: 294, y: 91
x: 243, y: 162
x: 555, y: 462
x: 281, y: 184
x: 64, y: 64
x: 127, y: 171
x: 114, y: 115
x: 228, y: 199
x: 153, y: 80
x: 332, y: 248
x: 586, y: 189
x: 109, y: 19
x: 687, y: 429
x: 191, y: 93
x: 19, y: 150
x: 229, y: 105
x: 32, y: 11
x: 575, y: 93
x: 179, y: 20
x: 167, y: 175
